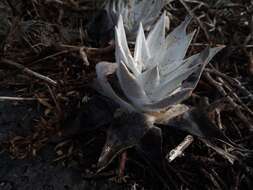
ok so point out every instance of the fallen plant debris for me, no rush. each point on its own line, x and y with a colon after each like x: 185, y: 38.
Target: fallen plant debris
x: 53, y: 122
x: 178, y: 151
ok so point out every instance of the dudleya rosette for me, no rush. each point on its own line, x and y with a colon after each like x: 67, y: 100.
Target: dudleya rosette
x: 157, y: 77
x: 134, y: 12
x: 153, y: 82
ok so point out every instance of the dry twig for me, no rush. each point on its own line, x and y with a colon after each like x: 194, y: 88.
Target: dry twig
x: 29, y: 71
x: 8, y: 98
x: 196, y: 18
x: 231, y: 158
x: 222, y: 91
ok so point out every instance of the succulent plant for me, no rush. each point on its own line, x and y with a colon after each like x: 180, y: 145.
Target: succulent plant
x: 157, y: 76
x: 134, y: 12
x: 152, y: 83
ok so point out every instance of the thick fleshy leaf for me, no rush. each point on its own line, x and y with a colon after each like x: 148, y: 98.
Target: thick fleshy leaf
x: 175, y: 54
x: 130, y: 86
x: 150, y: 79
x: 121, y: 54
x: 122, y: 35
x: 156, y: 37
x: 174, y: 83
x: 183, y: 66
x: 193, y: 80
x: 179, y: 32
x: 191, y: 67
x: 173, y: 48
x: 168, y: 88
x: 122, y: 50
x: 141, y: 52
x: 103, y: 69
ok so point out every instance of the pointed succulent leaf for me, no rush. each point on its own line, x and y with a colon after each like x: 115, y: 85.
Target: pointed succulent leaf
x: 103, y: 69
x: 122, y: 34
x: 179, y: 32
x: 156, y: 37
x: 130, y: 86
x: 150, y: 79
x: 141, y: 51
x: 191, y: 69
x: 175, y: 54
x: 193, y: 80
x: 174, y: 47
x: 122, y: 50
x: 171, y: 85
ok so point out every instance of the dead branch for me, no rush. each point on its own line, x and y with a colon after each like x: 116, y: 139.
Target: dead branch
x: 232, y: 81
x: 222, y: 91
x: 191, y: 13
x: 235, y: 96
x: 231, y: 158
x: 8, y: 98
x: 89, y: 50
x: 29, y: 71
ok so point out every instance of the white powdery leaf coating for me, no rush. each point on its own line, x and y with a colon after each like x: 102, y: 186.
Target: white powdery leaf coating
x: 130, y: 86
x: 175, y: 54
x: 157, y: 76
x: 150, y: 80
x: 141, y: 53
x: 103, y: 69
x: 134, y: 12
x: 122, y: 51
x: 156, y: 37
x: 179, y: 32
